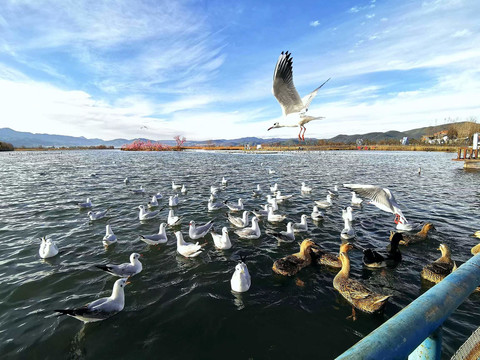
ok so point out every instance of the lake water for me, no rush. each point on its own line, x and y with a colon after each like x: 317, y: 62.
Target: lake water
x: 179, y: 308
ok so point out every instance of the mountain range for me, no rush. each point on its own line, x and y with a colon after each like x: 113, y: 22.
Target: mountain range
x: 27, y: 139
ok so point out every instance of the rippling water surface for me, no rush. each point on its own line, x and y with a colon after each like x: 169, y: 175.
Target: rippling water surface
x: 179, y: 308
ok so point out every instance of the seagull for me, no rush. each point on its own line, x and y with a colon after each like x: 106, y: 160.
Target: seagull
x: 141, y: 190
x: 271, y: 217
x: 97, y: 215
x: 257, y: 192
x: 196, y: 232
x: 86, y: 205
x: 172, y: 219
x: 184, y: 189
x: 261, y: 213
x: 212, y: 206
x: 146, y: 215
x: 173, y: 200
x: 124, y: 270
x: 252, y: 232
x: 47, y: 249
x: 221, y: 241
x: 288, y: 235
x: 324, y: 203
x: 347, y: 213
x: 159, y: 195
x: 109, y: 238
x: 281, y: 198
x: 239, y: 222
x: 187, y: 249
x: 302, y: 225
x: 305, y: 188
x: 224, y: 181
x: 176, y: 186
x: 153, y: 203
x: 100, y: 309
x: 274, y: 188
x: 156, y: 239
x: 316, y: 214
x: 241, y: 280
x: 126, y: 180
x: 384, y: 200
x: 348, y: 231
x: 270, y: 171
x: 293, y: 107
x: 235, y: 207
x: 355, y: 199
x: 333, y: 193
x: 214, y: 190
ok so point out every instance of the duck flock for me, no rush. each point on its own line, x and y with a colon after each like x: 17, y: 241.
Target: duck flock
x: 237, y: 222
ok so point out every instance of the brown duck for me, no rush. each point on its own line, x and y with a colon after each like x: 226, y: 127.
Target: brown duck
x: 440, y: 268
x: 291, y: 264
x: 325, y: 258
x: 414, y: 238
x: 355, y: 292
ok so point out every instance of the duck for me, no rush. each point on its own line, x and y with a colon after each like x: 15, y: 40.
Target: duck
x: 355, y: 292
x: 316, y: 214
x: 86, y: 205
x: 250, y: 233
x: 172, y: 219
x: 156, y: 239
x: 239, y: 222
x: 235, y: 207
x: 476, y: 249
x: 109, y: 238
x: 288, y: 235
x: 272, y: 217
x: 417, y: 237
x: 187, y: 249
x: 348, y: 231
x: 355, y: 199
x: 305, y: 189
x: 302, y: 225
x: 375, y: 259
x: 241, y: 279
x: 198, y: 231
x: 324, y: 203
x: 146, y: 215
x: 440, y: 268
x: 97, y: 215
x: 153, y: 203
x: 126, y: 269
x: 221, y: 241
x: 102, y: 308
x: 477, y: 234
x: 47, y: 249
x: 325, y: 258
x: 292, y: 264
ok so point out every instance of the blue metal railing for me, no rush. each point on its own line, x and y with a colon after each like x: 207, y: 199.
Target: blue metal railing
x: 398, y: 337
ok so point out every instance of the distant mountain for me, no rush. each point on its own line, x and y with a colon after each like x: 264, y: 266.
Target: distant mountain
x: 27, y: 139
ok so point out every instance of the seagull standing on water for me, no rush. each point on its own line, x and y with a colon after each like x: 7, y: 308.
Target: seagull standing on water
x: 294, y: 108
x: 100, y: 309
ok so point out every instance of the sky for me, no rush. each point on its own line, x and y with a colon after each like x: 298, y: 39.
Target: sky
x: 203, y: 69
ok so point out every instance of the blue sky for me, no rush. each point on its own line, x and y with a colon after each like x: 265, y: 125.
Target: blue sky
x: 203, y: 69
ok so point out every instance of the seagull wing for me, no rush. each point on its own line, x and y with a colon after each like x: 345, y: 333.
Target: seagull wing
x: 380, y: 197
x: 308, y: 98
x: 283, y: 87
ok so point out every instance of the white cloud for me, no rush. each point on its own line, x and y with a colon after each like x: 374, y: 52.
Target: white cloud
x: 315, y: 23
x: 462, y: 33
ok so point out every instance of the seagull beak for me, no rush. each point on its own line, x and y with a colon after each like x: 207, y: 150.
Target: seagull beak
x: 128, y: 282
x: 270, y: 128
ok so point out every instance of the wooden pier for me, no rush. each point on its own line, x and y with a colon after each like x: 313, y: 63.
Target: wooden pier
x: 469, y: 157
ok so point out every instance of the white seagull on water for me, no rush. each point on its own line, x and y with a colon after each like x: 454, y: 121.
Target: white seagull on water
x: 109, y: 238
x: 100, y: 309
x: 294, y: 108
x: 47, y: 249
x: 156, y: 239
x: 124, y: 270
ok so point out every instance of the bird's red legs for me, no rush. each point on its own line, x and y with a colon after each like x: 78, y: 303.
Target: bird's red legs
x: 304, y: 129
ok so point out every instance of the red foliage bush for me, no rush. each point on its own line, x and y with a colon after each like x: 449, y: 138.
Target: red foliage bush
x: 139, y: 145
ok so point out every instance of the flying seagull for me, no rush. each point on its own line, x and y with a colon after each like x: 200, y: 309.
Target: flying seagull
x: 294, y: 108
